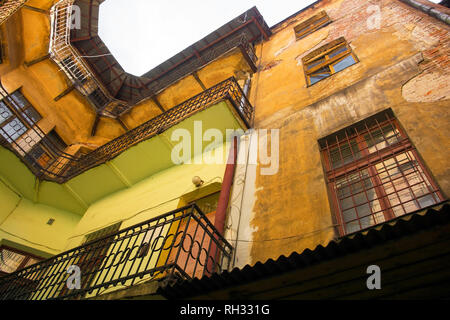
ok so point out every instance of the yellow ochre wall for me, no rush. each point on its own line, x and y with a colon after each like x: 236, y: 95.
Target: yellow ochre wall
x: 26, y: 37
x: 403, y: 65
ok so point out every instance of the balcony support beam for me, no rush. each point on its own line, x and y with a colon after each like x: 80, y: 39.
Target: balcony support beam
x: 196, y: 77
x: 46, y: 12
x: 122, y: 124
x: 95, y: 125
x: 64, y: 93
x: 155, y: 100
x: 33, y: 62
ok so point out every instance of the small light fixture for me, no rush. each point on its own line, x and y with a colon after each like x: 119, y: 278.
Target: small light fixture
x: 197, y: 181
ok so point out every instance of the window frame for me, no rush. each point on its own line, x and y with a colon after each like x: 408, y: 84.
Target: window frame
x: 309, y: 26
x: 368, y: 161
x: 23, y: 264
x: 19, y: 113
x: 328, y: 61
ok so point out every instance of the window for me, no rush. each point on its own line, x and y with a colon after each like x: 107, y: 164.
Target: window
x: 17, y: 115
x: 209, y: 203
x: 375, y: 174
x: 314, y: 23
x: 25, y: 108
x: 12, y: 260
x: 328, y: 60
x: 47, y: 151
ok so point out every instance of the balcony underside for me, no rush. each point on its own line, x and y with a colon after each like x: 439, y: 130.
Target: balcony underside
x: 127, y: 169
x: 111, y: 91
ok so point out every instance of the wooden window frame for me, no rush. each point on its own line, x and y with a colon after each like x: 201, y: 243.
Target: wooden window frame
x: 28, y: 257
x: 311, y: 25
x: 324, y: 53
x: 20, y: 113
x: 368, y: 161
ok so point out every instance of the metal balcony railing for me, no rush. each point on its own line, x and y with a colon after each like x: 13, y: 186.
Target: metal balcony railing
x: 66, y: 166
x: 182, y: 244
x: 92, y: 87
x: 9, y: 7
x: 68, y: 59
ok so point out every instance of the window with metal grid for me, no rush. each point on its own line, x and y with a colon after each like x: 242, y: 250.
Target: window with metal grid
x: 12, y: 260
x: 328, y: 60
x: 375, y: 174
x: 17, y: 115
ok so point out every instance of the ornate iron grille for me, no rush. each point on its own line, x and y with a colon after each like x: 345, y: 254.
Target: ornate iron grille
x: 181, y: 244
x: 375, y: 174
x: 65, y: 166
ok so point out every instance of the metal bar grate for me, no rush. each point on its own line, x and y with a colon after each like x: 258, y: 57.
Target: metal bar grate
x: 375, y: 174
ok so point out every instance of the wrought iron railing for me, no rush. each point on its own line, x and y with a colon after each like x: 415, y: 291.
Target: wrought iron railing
x: 182, y: 244
x: 66, y: 166
x: 85, y: 80
x: 68, y: 59
x: 9, y: 7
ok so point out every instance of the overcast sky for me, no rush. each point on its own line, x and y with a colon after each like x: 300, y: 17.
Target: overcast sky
x: 141, y: 34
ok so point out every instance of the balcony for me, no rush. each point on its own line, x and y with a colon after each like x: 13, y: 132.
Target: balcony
x: 180, y: 245
x: 9, y: 7
x: 110, y: 90
x: 66, y: 166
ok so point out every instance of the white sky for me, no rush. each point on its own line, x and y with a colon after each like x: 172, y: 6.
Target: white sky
x: 141, y: 34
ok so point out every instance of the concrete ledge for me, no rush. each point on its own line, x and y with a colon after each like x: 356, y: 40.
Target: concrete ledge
x: 144, y: 291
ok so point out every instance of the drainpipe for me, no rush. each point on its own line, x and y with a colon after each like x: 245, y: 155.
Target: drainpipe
x: 222, y: 205
x: 429, y: 10
x: 224, y: 197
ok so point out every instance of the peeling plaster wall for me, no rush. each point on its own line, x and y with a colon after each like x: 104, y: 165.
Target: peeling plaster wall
x: 402, y: 65
x: 26, y: 37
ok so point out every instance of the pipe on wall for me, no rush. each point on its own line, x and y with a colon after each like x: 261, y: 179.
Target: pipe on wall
x: 222, y: 205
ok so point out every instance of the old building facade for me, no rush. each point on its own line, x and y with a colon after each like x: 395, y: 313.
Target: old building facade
x: 341, y: 112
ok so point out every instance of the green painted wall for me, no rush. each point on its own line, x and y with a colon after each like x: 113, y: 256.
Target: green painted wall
x: 23, y: 224
x: 139, y: 184
x: 151, y: 197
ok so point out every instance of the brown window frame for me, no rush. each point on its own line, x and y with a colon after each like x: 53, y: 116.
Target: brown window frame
x: 311, y: 25
x: 19, y: 114
x: 324, y: 53
x: 364, y: 165
x: 23, y: 264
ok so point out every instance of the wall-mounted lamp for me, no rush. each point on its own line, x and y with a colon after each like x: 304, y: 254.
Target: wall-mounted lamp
x: 197, y: 181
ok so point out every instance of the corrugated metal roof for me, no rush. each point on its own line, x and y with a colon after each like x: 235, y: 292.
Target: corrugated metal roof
x: 369, y: 238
